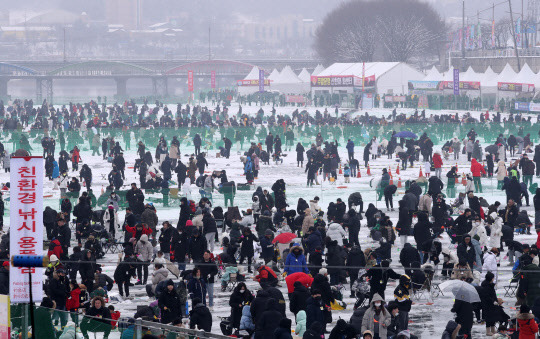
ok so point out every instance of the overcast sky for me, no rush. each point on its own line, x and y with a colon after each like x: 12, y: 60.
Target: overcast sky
x: 159, y: 10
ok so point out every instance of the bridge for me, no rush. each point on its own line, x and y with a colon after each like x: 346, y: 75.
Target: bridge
x: 159, y: 71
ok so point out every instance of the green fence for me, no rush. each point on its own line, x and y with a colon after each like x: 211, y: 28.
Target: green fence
x: 51, y: 323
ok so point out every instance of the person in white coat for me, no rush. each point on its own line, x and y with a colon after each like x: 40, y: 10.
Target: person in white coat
x: 496, y: 231
x: 63, y: 182
x: 374, y: 148
x: 111, y: 222
x: 479, y: 229
x: 186, y: 189
x: 314, y: 207
x: 336, y: 232
x: 144, y: 251
x: 501, y: 173
x: 490, y: 263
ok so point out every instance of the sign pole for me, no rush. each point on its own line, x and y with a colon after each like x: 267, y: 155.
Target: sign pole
x: 363, y: 82
x: 456, y: 85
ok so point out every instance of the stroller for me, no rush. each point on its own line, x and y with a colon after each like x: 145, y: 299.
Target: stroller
x: 361, y: 289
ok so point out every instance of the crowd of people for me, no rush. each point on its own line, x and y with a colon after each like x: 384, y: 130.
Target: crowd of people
x: 177, y: 265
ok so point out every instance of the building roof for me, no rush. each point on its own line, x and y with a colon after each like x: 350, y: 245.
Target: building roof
x: 371, y: 68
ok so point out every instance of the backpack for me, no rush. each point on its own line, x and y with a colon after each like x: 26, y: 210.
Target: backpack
x: 192, y: 206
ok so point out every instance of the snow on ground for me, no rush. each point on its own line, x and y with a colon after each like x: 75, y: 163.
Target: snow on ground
x: 426, y: 321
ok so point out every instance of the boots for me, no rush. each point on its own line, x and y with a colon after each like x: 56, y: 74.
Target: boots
x: 489, y: 332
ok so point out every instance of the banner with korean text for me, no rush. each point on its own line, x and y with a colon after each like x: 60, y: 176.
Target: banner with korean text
x: 190, y: 81
x: 26, y: 225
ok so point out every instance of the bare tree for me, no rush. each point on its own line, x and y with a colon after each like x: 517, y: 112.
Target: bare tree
x: 400, y: 29
x: 503, y: 31
x: 356, y: 43
x: 404, y: 37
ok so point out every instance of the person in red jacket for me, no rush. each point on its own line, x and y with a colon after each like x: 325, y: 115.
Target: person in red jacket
x: 527, y: 325
x: 437, y: 163
x: 115, y: 315
x: 55, y: 248
x: 75, y: 159
x: 73, y: 301
x: 138, y: 230
x: 266, y: 276
x: 477, y: 170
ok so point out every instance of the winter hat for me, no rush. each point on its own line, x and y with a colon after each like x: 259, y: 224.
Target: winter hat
x: 268, y: 232
x: 5, y: 263
x: 404, y: 333
x: 493, y: 215
x: 524, y: 309
x: 323, y: 271
x: 53, y: 258
x: 189, y: 223
x: 170, y: 282
x: 367, y: 332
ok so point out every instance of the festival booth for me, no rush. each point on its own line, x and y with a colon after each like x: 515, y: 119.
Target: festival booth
x: 289, y: 83
x: 511, y: 85
x: 250, y: 84
x: 379, y: 78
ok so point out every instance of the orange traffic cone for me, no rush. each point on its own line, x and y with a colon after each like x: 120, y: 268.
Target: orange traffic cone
x: 457, y: 180
x: 397, y: 170
x: 464, y: 180
x: 391, y: 180
x: 368, y: 170
x: 421, y: 174
x: 358, y: 175
x: 389, y: 171
x: 399, y: 183
x: 456, y: 168
x: 102, y: 190
x: 340, y: 170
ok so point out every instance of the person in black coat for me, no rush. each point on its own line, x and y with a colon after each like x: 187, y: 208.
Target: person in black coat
x: 4, y: 278
x: 403, y: 225
x: 389, y: 196
x: 63, y: 234
x: 180, y: 242
x: 258, y: 306
x: 422, y: 232
x: 87, y: 269
x: 513, y: 190
x: 407, y: 256
x: 169, y: 303
x: 440, y: 213
x: 267, y: 248
x: 300, y: 155
x: 314, y: 309
x: 353, y: 224
x: 269, y: 320
x: 181, y: 171
x: 49, y: 221
x: 462, y: 224
x: 200, y: 316
x: 313, y: 240
x: 466, y: 251
x: 240, y: 297
x: 59, y: 291
x: 247, y: 250
x: 355, y: 259
x: 297, y: 299
x: 378, y: 278
x: 340, y: 210
x: 197, y: 246
x: 435, y: 186
x: 335, y: 257
x: 123, y: 273
x: 165, y: 239
x: 464, y: 316
x: 366, y: 154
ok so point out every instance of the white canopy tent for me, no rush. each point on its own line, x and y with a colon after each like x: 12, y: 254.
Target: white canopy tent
x: 304, y: 75
x: 250, y: 89
x: 318, y: 70
x: 289, y: 83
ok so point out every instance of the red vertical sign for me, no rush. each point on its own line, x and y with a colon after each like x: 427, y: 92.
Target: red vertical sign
x: 190, y: 81
x: 213, y: 79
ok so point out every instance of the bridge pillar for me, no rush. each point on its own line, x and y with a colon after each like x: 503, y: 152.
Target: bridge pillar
x: 44, y: 90
x: 121, y: 88
x: 4, y: 88
x: 160, y: 86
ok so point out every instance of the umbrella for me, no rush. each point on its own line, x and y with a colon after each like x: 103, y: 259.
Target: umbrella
x: 461, y: 290
x: 492, y: 149
x: 284, y: 238
x: 173, y: 268
x: 405, y: 134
